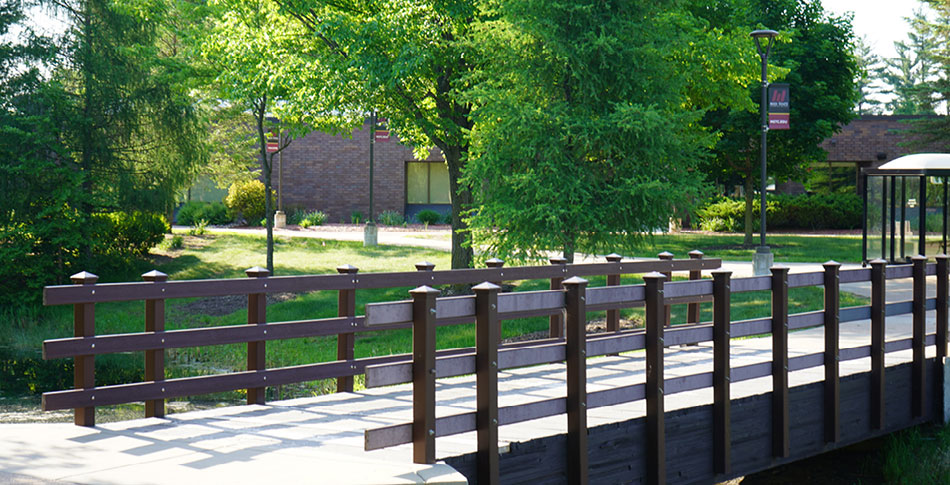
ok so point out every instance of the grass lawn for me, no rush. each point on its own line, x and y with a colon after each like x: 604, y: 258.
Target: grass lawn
x: 728, y: 247
x: 227, y: 256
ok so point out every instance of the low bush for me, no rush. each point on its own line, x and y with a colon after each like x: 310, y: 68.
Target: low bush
x: 448, y: 218
x: 124, y: 235
x: 828, y: 211
x: 246, y: 199
x: 356, y: 217
x: 314, y: 218
x: 429, y: 216
x: 390, y: 218
x: 214, y: 213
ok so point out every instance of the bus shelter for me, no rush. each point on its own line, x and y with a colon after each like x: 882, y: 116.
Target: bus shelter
x: 905, y: 208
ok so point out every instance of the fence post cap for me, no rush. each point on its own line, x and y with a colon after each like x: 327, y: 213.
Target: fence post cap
x: 84, y: 278
x: 720, y: 273
x: 779, y: 268
x: 495, y: 263
x: 424, y: 290
x: 574, y: 280
x: 918, y: 257
x: 155, y: 275
x: 942, y: 256
x: 665, y: 255
x: 654, y: 275
x: 346, y: 269
x: 878, y: 261
x: 696, y: 254
x: 257, y: 272
x: 557, y: 260
x: 831, y: 264
x: 614, y: 257
x: 425, y: 266
x: 486, y: 286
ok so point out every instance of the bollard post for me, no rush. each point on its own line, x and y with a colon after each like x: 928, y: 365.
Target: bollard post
x: 556, y: 322
x: 84, y: 366
x: 256, y: 351
x: 423, y: 374
x: 346, y: 342
x: 155, y: 358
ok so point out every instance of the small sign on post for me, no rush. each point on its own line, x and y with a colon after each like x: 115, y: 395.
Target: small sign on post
x: 382, y: 129
x: 273, y: 145
x: 778, y: 107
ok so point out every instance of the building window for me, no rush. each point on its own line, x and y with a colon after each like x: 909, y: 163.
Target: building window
x: 427, y: 183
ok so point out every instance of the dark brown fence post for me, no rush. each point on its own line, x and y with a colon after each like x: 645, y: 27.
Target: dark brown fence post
x: 576, y: 356
x: 613, y: 316
x: 84, y: 366
x: 423, y: 374
x: 486, y: 377
x: 256, y: 315
x: 780, y: 421
x: 832, y: 282
x: 656, y: 433
x: 346, y: 342
x: 722, y: 320
x: 667, y: 256
x: 495, y: 263
x: 693, y: 309
x: 155, y: 359
x: 878, y: 282
x: 943, y: 299
x: 919, y: 305
x: 556, y: 322
x: 425, y: 266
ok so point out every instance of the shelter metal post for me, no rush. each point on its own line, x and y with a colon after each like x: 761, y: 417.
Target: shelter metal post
x: 864, y: 225
x: 922, y: 210
x: 893, y: 214
x: 903, y: 213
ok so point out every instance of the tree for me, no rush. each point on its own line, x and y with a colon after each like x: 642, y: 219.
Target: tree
x: 409, y: 60
x: 866, y: 82
x: 587, y: 133
x: 815, y: 55
x: 259, y: 70
x: 128, y: 122
x: 933, y: 133
x: 907, y: 74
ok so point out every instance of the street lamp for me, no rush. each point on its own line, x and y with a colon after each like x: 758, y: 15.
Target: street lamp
x: 763, y: 259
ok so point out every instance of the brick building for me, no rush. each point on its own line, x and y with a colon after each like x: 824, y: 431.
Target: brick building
x: 331, y: 173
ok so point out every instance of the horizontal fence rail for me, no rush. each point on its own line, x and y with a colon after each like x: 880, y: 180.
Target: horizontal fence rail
x: 156, y: 289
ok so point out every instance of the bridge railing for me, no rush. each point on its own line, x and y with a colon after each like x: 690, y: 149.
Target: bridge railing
x: 85, y: 293
x: 489, y: 308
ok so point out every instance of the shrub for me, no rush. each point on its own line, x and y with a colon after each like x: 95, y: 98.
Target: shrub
x: 177, y: 242
x: 828, y: 211
x: 356, y: 217
x: 295, y: 213
x: 246, y: 199
x: 429, y: 216
x: 198, y: 229
x: 448, y: 218
x: 127, y: 234
x: 314, y: 218
x: 390, y: 218
x: 214, y: 213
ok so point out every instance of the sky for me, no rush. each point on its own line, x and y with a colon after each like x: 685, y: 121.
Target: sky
x: 881, y: 22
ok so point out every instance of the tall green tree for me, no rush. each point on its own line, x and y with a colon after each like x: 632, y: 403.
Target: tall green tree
x: 260, y: 70
x: 815, y: 55
x: 867, y: 82
x: 587, y: 132
x: 408, y: 59
x: 128, y: 121
x: 908, y: 74
x: 933, y: 133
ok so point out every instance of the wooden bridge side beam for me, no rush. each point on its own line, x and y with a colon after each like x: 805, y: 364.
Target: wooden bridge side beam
x: 423, y: 374
x: 878, y: 275
x: 722, y: 441
x: 346, y: 342
x: 256, y: 351
x: 919, y: 309
x: 576, y: 357
x: 780, y: 411
x: 656, y: 433
x: 486, y: 376
x: 832, y: 383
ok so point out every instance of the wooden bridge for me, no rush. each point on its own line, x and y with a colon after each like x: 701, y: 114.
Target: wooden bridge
x: 681, y: 404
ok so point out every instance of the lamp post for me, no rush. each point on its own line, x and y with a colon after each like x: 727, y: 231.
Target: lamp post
x: 763, y: 258
x: 370, y: 231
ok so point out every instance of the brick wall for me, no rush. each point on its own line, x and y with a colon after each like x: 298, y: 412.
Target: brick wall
x: 870, y: 140
x: 331, y: 173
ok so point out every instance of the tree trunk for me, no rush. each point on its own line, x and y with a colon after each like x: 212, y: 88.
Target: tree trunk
x: 260, y: 114
x: 462, y: 252
x: 570, y: 246
x: 749, y: 197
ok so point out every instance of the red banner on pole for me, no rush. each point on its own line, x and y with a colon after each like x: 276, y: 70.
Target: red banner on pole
x: 779, y: 107
x: 382, y: 129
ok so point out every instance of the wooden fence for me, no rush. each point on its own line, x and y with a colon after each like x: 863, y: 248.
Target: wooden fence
x: 489, y: 308
x: 85, y: 293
